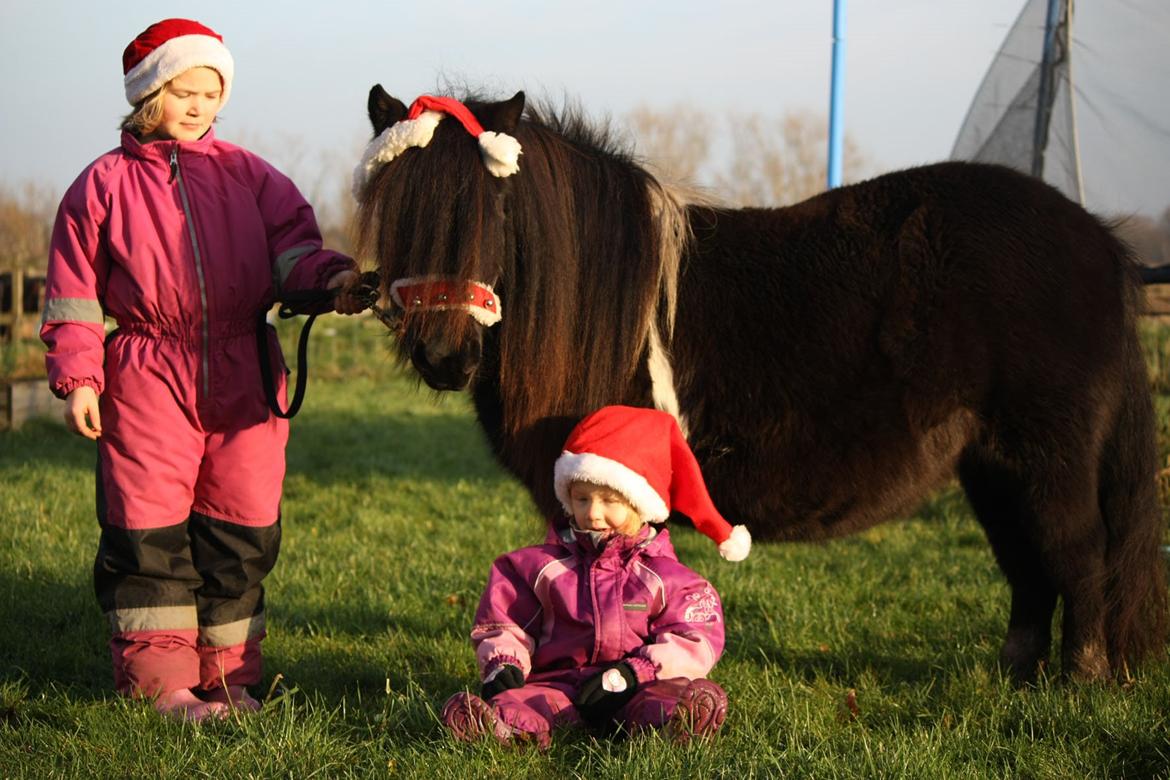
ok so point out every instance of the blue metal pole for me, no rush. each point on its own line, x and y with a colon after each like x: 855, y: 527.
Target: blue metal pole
x: 836, y: 133
x: 1047, y: 92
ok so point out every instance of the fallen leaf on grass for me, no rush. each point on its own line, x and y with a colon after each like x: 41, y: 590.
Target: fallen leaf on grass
x: 849, y: 711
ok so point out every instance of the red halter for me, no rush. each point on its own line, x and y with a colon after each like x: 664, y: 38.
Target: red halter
x: 435, y: 293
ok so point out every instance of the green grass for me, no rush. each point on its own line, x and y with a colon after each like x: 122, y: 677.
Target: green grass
x: 393, y: 512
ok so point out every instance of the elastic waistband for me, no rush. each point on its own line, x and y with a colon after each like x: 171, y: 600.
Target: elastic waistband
x: 219, y: 329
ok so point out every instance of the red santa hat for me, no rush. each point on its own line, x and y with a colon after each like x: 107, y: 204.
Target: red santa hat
x: 168, y: 48
x: 641, y: 453
x: 500, y: 152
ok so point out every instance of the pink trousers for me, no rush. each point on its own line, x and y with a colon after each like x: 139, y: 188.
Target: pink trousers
x: 190, y: 468
x: 545, y: 702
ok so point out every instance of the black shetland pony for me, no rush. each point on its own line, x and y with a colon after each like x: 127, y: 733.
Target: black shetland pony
x: 830, y: 362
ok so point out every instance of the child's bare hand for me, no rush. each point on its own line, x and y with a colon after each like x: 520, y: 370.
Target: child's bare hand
x: 81, y: 412
x: 345, y: 302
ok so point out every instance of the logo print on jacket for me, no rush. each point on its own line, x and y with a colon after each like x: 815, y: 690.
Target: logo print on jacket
x: 702, y: 607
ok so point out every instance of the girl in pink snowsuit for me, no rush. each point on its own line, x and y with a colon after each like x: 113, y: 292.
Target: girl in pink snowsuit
x: 185, y: 241
x: 601, y: 624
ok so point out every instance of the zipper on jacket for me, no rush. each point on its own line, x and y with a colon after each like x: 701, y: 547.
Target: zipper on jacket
x: 205, y: 348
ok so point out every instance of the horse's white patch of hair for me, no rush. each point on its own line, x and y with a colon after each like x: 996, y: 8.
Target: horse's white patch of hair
x: 662, y: 380
x: 669, y: 209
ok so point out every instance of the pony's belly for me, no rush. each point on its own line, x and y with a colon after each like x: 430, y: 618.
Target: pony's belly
x: 864, y: 488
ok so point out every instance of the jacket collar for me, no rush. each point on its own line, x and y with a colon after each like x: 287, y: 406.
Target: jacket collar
x: 161, y: 150
x: 651, y: 540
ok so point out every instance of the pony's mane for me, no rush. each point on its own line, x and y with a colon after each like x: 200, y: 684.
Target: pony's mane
x: 606, y: 239
x: 581, y: 216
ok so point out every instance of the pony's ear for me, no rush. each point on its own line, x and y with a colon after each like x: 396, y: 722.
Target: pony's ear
x: 503, y: 117
x: 384, y: 110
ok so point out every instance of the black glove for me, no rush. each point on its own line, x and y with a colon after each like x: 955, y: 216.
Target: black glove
x: 504, y: 677
x: 602, y: 695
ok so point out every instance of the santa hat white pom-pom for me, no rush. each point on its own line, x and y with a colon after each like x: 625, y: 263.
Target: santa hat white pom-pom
x: 501, y: 153
x: 737, y: 546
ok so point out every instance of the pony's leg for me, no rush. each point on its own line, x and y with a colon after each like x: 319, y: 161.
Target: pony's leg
x: 1052, y: 544
x: 1073, y: 551
x: 997, y: 498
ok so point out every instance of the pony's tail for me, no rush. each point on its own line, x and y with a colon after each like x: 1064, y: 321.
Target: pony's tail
x: 1136, y: 588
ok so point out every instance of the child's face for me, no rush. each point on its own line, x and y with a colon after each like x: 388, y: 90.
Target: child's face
x: 190, y: 102
x: 598, y: 508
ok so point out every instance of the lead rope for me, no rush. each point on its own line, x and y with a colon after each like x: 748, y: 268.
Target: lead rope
x: 310, y: 302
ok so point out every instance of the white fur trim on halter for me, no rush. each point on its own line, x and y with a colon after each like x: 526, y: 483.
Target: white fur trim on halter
x: 737, y: 546
x: 599, y: 470
x: 393, y: 141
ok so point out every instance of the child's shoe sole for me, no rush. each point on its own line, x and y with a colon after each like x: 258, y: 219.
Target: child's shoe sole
x: 470, y: 719
x: 701, y: 710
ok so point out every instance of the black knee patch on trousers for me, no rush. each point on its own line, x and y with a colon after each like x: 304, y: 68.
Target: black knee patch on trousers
x: 144, y: 568
x: 231, y: 560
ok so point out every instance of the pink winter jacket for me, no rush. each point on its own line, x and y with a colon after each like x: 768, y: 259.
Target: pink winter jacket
x: 561, y: 605
x: 191, y: 239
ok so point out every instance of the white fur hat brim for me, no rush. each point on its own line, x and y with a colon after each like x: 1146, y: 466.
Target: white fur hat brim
x: 598, y: 470
x: 175, y: 57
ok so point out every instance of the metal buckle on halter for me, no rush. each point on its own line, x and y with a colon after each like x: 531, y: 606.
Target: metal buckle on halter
x: 438, y: 293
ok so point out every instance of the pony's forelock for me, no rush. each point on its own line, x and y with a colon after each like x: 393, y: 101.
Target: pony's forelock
x: 580, y: 216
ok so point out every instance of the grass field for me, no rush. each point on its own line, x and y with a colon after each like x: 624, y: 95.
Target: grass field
x: 872, y: 656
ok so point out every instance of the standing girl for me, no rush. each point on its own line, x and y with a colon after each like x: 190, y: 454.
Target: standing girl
x: 602, y: 625
x: 185, y: 241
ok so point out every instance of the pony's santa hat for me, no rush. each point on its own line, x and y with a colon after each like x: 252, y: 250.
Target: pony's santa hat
x: 641, y: 453
x: 168, y: 48
x: 500, y: 151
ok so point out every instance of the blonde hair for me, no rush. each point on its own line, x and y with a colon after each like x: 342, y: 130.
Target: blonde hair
x: 148, y: 112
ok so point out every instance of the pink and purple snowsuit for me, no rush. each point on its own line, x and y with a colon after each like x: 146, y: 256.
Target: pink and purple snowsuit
x: 561, y: 612
x: 185, y: 245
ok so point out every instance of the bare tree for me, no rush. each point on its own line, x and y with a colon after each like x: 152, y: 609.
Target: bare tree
x: 754, y: 161
x: 776, y: 162
x: 26, y: 225
x: 676, y: 144
x: 1149, y: 239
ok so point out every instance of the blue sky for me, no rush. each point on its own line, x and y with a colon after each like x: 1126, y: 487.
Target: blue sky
x: 303, y: 69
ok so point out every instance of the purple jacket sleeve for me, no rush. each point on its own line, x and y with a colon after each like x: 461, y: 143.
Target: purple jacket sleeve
x: 508, y: 613
x: 72, y: 324
x: 299, y: 261
x: 687, y: 634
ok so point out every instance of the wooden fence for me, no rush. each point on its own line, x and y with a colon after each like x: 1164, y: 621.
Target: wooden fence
x: 22, y: 296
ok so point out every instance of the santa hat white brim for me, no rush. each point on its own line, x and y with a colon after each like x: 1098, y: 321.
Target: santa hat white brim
x: 599, y: 470
x: 174, y: 57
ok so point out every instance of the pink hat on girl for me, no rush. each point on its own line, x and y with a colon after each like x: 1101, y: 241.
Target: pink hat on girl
x: 168, y: 48
x: 641, y: 453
